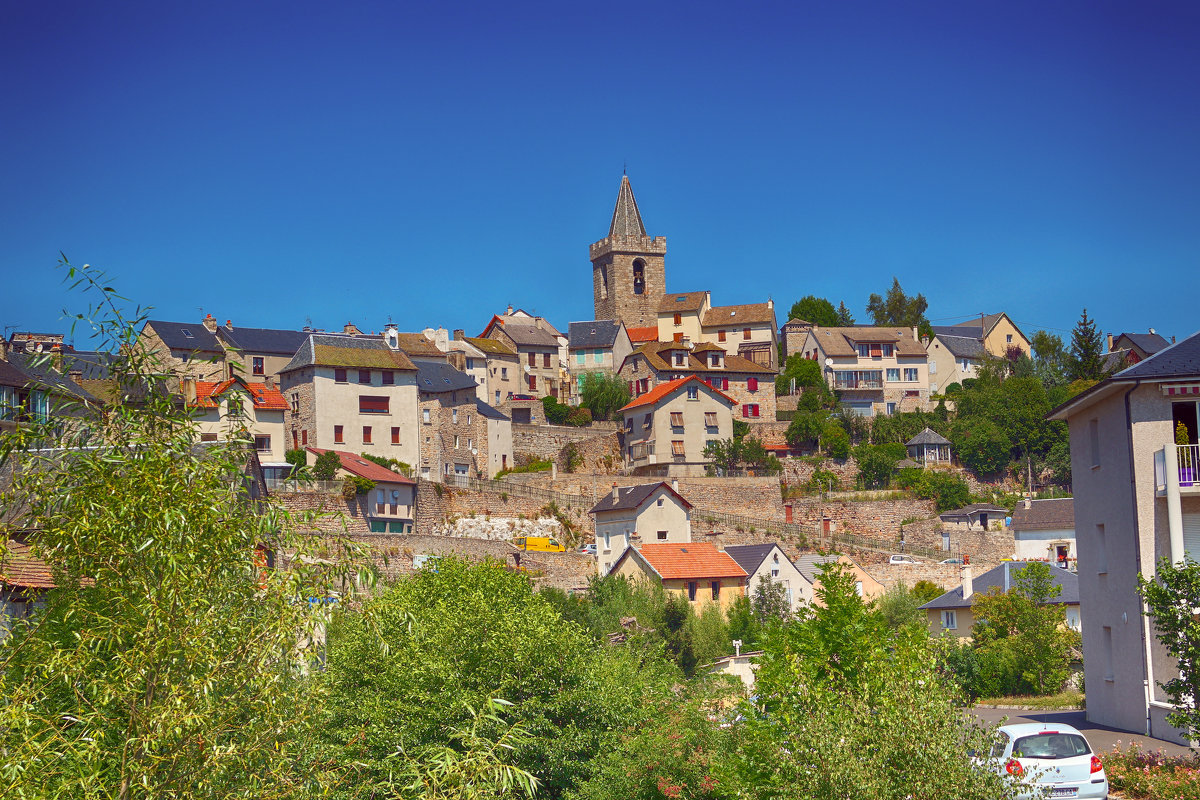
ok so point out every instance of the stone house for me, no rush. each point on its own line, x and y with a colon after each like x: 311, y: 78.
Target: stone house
x: 537, y: 346
x: 1044, y: 530
x: 698, y: 571
x: 212, y: 352
x: 238, y: 408
x: 874, y: 370
x: 952, y: 612
x: 357, y: 392
x: 632, y: 515
x: 1130, y: 348
x: 747, y: 331
x: 1134, y: 456
x: 793, y: 335
x: 985, y: 516
x: 391, y: 505
x: 33, y: 389
x: 750, y: 385
x: 667, y: 428
x: 454, y: 435
x: 865, y: 584
x: 769, y: 562
x: 596, y: 347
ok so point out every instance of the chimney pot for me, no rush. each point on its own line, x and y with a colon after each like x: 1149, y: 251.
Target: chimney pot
x: 229, y: 324
x: 210, y: 323
x: 509, y: 311
x: 1028, y: 502
x: 968, y: 581
x: 616, y: 493
x: 459, y: 334
x: 1110, y: 341
x: 675, y: 484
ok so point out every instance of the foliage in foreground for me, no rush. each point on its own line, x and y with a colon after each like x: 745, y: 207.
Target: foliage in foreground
x: 1150, y: 775
x: 1171, y: 598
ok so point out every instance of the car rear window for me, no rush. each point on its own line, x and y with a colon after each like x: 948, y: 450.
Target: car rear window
x: 1051, y: 745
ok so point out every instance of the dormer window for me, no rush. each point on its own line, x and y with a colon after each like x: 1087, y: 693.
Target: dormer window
x: 679, y: 355
x: 186, y: 333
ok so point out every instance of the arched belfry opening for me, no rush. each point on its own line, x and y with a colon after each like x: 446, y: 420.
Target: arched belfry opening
x: 639, y: 276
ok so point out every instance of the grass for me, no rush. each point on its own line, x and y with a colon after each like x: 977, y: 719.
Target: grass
x: 1145, y: 774
x: 1066, y: 699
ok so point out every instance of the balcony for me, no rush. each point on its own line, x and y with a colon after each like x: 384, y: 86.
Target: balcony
x: 1177, y: 466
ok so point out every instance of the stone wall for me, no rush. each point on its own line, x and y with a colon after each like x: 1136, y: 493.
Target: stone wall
x: 547, y: 441
x: 876, y: 518
x: 798, y: 471
x: 947, y: 576
x: 986, y: 548
x: 326, y: 511
x: 498, y: 529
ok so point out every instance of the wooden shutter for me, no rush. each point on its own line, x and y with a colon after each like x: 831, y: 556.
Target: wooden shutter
x: 752, y: 384
x: 373, y: 404
x: 710, y: 419
x: 677, y: 448
x: 1191, y: 536
x: 677, y: 419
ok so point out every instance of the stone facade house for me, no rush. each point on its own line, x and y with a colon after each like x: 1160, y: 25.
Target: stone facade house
x: 698, y: 571
x: 981, y: 516
x: 1044, y: 530
x: 1134, y: 457
x: 746, y: 330
x: 668, y: 427
x: 537, y: 346
x: 793, y: 335
x: 502, y: 369
x: 212, y: 352
x: 33, y: 389
x: 628, y: 266
x: 238, y: 408
x: 356, y: 393
x: 632, y: 515
x: 951, y: 613
x: 874, y: 370
x: 750, y: 385
x: 453, y: 434
x: 768, y: 562
x: 596, y: 347
x: 391, y: 505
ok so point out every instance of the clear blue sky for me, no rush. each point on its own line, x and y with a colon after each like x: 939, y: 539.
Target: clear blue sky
x: 274, y: 163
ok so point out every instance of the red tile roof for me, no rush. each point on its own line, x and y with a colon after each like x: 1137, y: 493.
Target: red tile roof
x: 357, y: 465
x: 663, y: 389
x: 643, y: 335
x: 20, y: 568
x: 263, y: 397
x: 691, y: 560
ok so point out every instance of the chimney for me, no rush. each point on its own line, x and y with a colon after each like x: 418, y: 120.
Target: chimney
x: 675, y: 484
x: 3, y: 349
x: 75, y: 375
x: 229, y: 324
x: 1110, y: 342
x: 210, y: 324
x: 1007, y: 584
x: 925, y: 342
x: 616, y: 493
x: 270, y: 382
x: 916, y: 337
x: 968, y: 581
x: 459, y: 334
x: 392, y: 336
x: 1152, y: 331
x: 1028, y: 501
x: 509, y: 311
x: 351, y: 329
x: 187, y: 387
x: 56, y: 357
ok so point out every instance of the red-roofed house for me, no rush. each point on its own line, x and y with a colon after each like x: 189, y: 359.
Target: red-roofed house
x: 639, y: 336
x: 667, y: 428
x: 390, y: 506
x: 697, y: 570
x: 237, y: 407
x: 23, y: 581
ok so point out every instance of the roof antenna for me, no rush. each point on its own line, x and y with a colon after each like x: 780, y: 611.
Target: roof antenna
x: 624, y: 165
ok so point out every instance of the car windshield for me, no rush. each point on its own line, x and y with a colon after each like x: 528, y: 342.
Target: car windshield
x: 1051, y: 745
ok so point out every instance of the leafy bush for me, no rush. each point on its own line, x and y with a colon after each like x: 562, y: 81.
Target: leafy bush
x: 1151, y: 775
x: 556, y: 412
x: 579, y: 417
x: 947, y: 491
x: 823, y: 480
x: 394, y: 464
x: 326, y: 466
x: 353, y: 485
x: 876, y: 464
x: 805, y: 371
x: 981, y: 446
x: 603, y: 395
x: 533, y: 465
x: 806, y: 427
x: 835, y: 440
x: 298, y: 458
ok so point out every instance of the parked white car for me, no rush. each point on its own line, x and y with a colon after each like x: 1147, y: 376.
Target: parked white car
x: 1050, y: 761
x: 902, y: 559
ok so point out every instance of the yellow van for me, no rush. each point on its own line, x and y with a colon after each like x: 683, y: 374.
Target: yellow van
x: 538, y: 544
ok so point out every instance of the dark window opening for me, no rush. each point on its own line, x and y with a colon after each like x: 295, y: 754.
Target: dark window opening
x: 639, y: 276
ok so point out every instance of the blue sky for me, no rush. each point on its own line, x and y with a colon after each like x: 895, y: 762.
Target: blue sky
x: 279, y: 163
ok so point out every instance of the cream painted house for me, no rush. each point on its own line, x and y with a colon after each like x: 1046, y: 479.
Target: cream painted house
x: 865, y: 584
x: 952, y: 612
x: 391, y: 504
x: 1137, y: 501
x: 698, y: 571
x: 746, y: 330
x: 874, y: 370
x: 235, y: 408
x: 768, y: 562
x: 667, y: 429
x: 1044, y: 530
x: 597, y: 347
x: 632, y: 515
x: 953, y: 359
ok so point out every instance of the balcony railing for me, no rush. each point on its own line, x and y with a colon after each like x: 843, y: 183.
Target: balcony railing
x: 1188, y: 458
x: 1184, y: 461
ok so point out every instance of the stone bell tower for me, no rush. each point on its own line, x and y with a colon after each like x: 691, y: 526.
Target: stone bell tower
x: 628, y: 267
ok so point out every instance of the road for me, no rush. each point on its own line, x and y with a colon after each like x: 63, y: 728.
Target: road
x: 1101, y: 738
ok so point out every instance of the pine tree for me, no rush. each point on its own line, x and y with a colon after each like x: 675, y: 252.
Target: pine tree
x: 1087, y: 361
x: 845, y: 318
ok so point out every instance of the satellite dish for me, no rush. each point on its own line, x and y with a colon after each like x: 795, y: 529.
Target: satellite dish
x: 395, y: 493
x: 829, y: 362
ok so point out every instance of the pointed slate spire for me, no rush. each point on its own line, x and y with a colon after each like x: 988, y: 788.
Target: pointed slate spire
x: 627, y: 220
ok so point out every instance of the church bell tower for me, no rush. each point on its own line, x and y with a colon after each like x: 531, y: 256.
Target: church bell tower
x: 628, y: 267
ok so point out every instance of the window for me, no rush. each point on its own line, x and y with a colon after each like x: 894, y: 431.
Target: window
x: 208, y: 437
x: 373, y: 404
x: 497, y: 398
x: 629, y: 423
x: 691, y: 590
x: 964, y: 364
x: 950, y: 620
x: 425, y: 415
x: 679, y: 357
x: 337, y: 434
x: 677, y: 447
x: 891, y: 409
x: 532, y: 357
x: 597, y: 356
x: 639, y: 276
x: 395, y: 436
x: 339, y: 375
x: 1008, y: 338
x: 910, y: 374
x: 646, y: 420
x: 1094, y: 440
x: 678, y: 318
x: 721, y: 335
x: 676, y: 419
x: 387, y: 377
x: 456, y: 444
x: 454, y: 415
x: 662, y: 536
x: 724, y: 384
x: 863, y: 350
x: 752, y: 384
x: 710, y: 419
x: 304, y: 437
x: 579, y: 357
x: 364, y: 376
x: 1100, y: 548
x: 262, y: 443
x: 470, y: 443
x: 887, y: 350
x: 716, y: 359
x: 546, y: 360
x: 750, y: 410
x: 366, y: 434
x: 607, y: 541
x: 259, y: 368
x: 295, y: 402
x: 716, y: 590
x: 693, y: 392
x: 533, y: 383
x: 1106, y: 639
x: 893, y: 374
x: 186, y: 333
x: 185, y: 357
x: 933, y: 368
x: 746, y: 333
x: 504, y: 373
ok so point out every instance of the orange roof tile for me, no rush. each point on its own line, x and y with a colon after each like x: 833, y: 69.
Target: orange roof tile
x: 357, y: 465
x: 20, y: 568
x: 663, y: 389
x: 264, y: 397
x: 643, y: 335
x: 691, y: 560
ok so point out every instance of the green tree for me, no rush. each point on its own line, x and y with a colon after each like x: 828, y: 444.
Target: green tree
x: 1087, y: 350
x: 770, y: 600
x: 326, y: 466
x: 1171, y: 596
x: 980, y: 445
x: 835, y: 440
x: 298, y: 459
x: 725, y: 454
x: 1052, y: 363
x: 876, y: 465
x: 845, y: 318
x: 804, y: 371
x: 898, y: 607
x: 897, y: 308
x: 816, y: 310
x: 924, y: 591
x: 167, y: 661
x: 806, y: 427
x: 604, y: 395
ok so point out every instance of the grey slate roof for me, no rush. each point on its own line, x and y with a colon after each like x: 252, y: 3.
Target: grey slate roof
x: 810, y: 565
x: 750, y: 556
x: 185, y: 335
x: 592, y: 334
x: 927, y: 436
x: 487, y: 411
x: 263, y: 340
x: 972, y: 510
x: 1045, y: 515
x: 626, y: 219
x: 41, y: 376
x: 436, y: 377
x: 1149, y: 343
x: 630, y: 497
x: 94, y: 364
x: 962, y: 346
x: 1181, y: 360
x: 1001, y: 577
x: 529, y: 335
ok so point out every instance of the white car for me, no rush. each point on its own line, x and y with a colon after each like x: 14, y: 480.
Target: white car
x: 1050, y: 760
x: 902, y: 559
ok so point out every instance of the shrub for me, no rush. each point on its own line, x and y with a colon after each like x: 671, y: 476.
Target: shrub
x: 326, y: 466
x: 835, y: 440
x: 823, y: 480
x: 579, y: 417
x: 556, y: 412
x: 603, y: 395
x: 876, y: 465
x: 298, y: 459
x: 981, y: 446
x: 394, y: 464
x: 805, y: 427
x: 947, y: 491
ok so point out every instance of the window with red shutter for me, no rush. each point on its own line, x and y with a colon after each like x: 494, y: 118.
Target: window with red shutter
x: 745, y: 333
x: 724, y: 383
x: 546, y: 360
x: 752, y: 384
x: 304, y: 437
x: 373, y: 404
x: 366, y: 434
x: 721, y: 335
x: 678, y: 318
x: 533, y: 383
x: 533, y: 359
x: 337, y: 434
x: 395, y: 436
x: 745, y: 410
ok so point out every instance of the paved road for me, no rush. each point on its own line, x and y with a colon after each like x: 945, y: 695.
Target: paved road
x: 1102, y: 738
